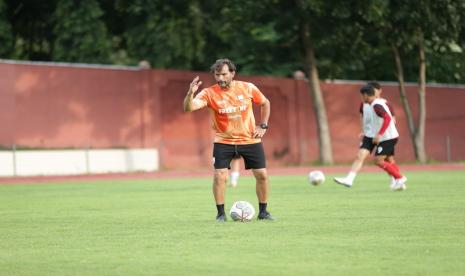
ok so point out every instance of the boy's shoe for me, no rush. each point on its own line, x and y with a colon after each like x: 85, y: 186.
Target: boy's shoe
x: 221, y: 218
x: 400, y: 184
x: 401, y: 188
x: 343, y: 181
x: 393, y: 183
x: 265, y: 216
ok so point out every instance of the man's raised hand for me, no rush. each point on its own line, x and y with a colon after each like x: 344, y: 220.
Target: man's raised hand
x: 194, y: 86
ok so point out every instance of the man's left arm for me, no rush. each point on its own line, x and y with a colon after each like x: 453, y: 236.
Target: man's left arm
x: 265, y: 110
x: 391, y: 109
x: 381, y: 112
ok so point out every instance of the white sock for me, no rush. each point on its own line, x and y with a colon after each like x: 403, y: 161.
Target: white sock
x: 234, y: 177
x: 351, y: 176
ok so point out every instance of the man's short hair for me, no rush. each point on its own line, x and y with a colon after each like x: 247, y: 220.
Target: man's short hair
x: 368, y: 90
x: 219, y: 63
x: 375, y: 84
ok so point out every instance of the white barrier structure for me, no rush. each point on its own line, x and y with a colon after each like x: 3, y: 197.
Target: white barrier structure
x: 73, y: 162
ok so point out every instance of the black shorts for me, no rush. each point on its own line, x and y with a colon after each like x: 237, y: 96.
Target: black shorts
x: 367, y: 143
x: 253, y: 154
x: 384, y: 148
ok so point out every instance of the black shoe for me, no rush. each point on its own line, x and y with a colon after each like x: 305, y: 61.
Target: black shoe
x: 221, y: 218
x: 265, y: 216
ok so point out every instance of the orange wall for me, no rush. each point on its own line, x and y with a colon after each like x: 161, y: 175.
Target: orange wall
x: 68, y: 106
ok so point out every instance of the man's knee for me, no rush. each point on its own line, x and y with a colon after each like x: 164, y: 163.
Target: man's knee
x: 260, y: 175
x: 221, y: 176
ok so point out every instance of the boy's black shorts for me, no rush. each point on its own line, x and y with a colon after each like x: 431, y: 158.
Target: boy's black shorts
x: 367, y: 143
x: 384, y: 148
x: 253, y: 155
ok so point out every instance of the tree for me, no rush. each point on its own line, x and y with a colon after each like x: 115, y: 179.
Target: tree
x: 80, y: 34
x: 311, y: 69
x: 320, y: 22
x: 258, y: 35
x: 6, y: 35
x: 170, y: 34
x: 421, y: 26
x: 290, y: 37
x: 300, y: 37
x: 31, y: 23
x: 446, y: 42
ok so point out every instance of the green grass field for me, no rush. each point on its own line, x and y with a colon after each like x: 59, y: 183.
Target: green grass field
x: 167, y: 227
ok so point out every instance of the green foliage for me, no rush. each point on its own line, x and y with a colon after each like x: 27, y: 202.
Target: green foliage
x: 253, y: 39
x: 168, y: 34
x: 32, y: 27
x: 6, y: 35
x: 80, y: 34
x: 352, y: 39
x: 167, y: 227
x: 400, y: 23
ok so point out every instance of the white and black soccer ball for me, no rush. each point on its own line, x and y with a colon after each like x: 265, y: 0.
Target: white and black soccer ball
x: 242, y: 211
x: 316, y: 178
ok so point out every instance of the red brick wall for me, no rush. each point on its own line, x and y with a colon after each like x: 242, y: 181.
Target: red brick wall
x: 69, y: 106
x: 51, y: 106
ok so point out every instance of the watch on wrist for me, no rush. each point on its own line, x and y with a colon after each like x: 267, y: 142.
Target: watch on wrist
x: 264, y: 126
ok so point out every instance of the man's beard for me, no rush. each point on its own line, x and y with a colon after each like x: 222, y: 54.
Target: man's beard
x: 223, y: 84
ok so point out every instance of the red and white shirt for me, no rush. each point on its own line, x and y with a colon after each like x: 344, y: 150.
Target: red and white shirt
x: 377, y: 119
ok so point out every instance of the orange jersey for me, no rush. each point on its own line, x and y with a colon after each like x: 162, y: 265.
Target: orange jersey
x: 232, y: 113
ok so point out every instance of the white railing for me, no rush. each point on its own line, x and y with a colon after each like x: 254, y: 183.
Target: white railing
x: 73, y: 162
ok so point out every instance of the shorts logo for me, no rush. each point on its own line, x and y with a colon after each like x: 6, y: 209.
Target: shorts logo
x: 379, y: 149
x: 213, y: 160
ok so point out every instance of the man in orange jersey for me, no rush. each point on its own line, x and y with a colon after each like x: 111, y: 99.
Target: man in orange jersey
x: 236, y: 134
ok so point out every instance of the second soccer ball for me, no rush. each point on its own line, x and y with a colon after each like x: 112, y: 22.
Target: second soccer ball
x: 316, y: 178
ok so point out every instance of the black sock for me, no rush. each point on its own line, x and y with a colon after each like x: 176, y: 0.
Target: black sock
x: 220, y: 208
x: 262, y: 207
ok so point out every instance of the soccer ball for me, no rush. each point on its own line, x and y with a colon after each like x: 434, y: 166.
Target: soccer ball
x: 316, y: 177
x: 242, y: 211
